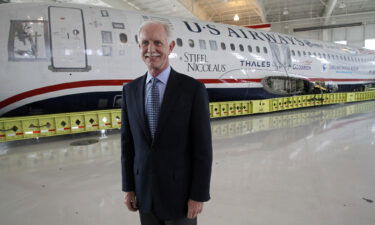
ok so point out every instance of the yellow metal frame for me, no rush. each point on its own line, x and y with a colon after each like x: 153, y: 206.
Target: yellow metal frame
x: 19, y: 128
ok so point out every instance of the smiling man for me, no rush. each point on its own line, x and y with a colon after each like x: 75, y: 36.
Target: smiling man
x: 166, y: 147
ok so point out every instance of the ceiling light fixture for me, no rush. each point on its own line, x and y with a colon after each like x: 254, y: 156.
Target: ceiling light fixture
x: 285, y: 12
x: 342, y: 5
x: 236, y: 17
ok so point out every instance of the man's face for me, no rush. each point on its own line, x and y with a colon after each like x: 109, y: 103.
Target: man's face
x: 154, y: 48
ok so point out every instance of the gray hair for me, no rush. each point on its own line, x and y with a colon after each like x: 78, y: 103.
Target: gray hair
x: 166, y: 27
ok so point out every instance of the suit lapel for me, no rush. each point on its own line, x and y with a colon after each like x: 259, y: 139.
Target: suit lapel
x: 171, y: 95
x: 140, y: 101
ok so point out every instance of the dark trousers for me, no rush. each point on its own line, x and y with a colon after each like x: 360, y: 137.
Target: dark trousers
x: 151, y: 219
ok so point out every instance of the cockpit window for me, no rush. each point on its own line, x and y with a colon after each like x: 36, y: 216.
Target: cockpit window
x: 28, y: 40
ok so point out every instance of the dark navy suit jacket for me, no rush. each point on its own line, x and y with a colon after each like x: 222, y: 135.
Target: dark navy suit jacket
x: 176, y: 166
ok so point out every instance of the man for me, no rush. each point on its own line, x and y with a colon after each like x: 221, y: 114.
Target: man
x: 166, y: 137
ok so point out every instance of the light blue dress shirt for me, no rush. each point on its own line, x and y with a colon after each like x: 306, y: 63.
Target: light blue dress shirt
x: 162, y: 84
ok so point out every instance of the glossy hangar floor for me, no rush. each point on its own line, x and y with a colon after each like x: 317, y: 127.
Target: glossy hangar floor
x: 309, y: 166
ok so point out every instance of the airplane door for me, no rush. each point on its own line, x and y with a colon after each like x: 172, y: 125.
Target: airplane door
x: 68, y: 40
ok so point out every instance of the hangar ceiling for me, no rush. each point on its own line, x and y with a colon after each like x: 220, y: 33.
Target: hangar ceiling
x: 250, y: 12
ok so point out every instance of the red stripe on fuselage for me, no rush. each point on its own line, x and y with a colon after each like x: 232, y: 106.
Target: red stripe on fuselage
x: 92, y: 83
x: 59, y: 87
x: 218, y: 81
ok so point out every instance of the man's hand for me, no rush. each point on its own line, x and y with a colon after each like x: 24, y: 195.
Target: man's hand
x: 194, y: 208
x: 130, y: 201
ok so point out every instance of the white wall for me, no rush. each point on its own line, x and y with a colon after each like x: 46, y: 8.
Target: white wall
x: 355, y: 36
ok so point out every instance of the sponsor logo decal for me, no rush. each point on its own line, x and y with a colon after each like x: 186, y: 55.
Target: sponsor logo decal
x: 305, y: 65
x: 324, y: 68
x: 200, y: 63
x: 259, y: 64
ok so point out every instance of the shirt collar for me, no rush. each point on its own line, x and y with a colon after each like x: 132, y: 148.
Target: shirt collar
x: 163, y: 76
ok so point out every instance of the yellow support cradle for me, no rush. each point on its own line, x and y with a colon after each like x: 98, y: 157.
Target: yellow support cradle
x: 19, y: 128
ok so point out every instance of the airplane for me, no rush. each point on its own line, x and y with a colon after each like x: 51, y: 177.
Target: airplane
x: 60, y: 58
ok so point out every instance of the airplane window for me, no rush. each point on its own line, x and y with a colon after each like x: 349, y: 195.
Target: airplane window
x: 314, y: 54
x: 337, y: 57
x: 241, y: 47
x: 232, y: 47
x: 324, y: 55
x: 191, y: 43
x: 310, y: 54
x: 202, y: 44
x: 223, y: 46
x: 320, y: 55
x: 328, y: 56
x: 136, y: 39
x: 179, y: 42
x: 304, y: 53
x: 265, y: 50
x: 293, y: 53
x: 341, y: 57
x: 299, y: 53
x: 213, y: 45
x: 249, y: 48
x: 258, y: 49
x: 345, y: 58
x: 123, y: 38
